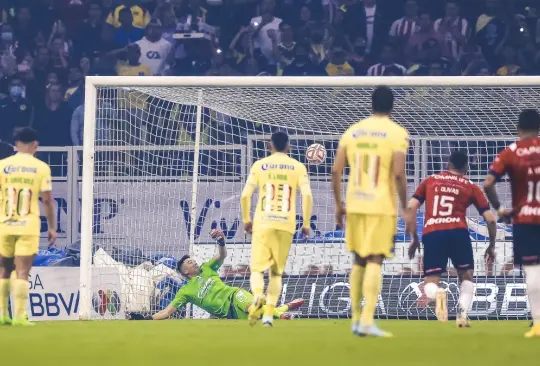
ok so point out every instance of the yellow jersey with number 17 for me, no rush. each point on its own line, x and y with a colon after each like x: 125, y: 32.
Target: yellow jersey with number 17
x: 369, y: 146
x: 277, y: 177
x: 22, y: 178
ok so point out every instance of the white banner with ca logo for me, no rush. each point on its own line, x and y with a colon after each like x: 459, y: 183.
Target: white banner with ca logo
x: 54, y: 294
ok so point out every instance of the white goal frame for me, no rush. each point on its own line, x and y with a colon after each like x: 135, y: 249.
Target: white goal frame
x: 92, y: 83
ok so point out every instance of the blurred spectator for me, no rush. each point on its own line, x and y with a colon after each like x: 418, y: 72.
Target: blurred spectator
x: 453, y: 28
x: 46, y: 14
x: 15, y: 109
x: 266, y: 26
x: 88, y: 39
x: 367, y: 20
x: 284, y: 50
x: 24, y: 26
x: 154, y: 48
x: 42, y: 65
x: 132, y: 67
x: 403, y: 28
x: 387, y: 60
x: 357, y: 58
x: 418, y: 39
x: 338, y: 64
x: 477, y: 68
x: 241, y: 47
x: 492, y: 32
x: 77, y: 126
x: 140, y: 16
x: 8, y: 61
x: 60, y: 45
x: 302, y: 64
x: 431, y: 61
x: 74, y: 83
x: 53, y: 118
x: 126, y: 33
x: 510, y: 66
x: 318, y: 50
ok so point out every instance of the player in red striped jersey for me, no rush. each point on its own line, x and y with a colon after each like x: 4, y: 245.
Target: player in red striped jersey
x: 447, y: 196
x: 521, y: 162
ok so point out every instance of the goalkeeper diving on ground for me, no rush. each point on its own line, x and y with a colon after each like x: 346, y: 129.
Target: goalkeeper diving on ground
x: 205, y: 289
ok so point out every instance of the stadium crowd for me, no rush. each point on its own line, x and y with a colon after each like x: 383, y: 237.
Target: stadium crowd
x: 49, y: 46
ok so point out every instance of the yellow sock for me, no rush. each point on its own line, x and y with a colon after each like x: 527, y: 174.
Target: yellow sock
x: 20, y: 295
x: 372, y: 286
x: 274, y: 289
x: 357, y: 284
x: 4, y: 297
x: 257, y: 283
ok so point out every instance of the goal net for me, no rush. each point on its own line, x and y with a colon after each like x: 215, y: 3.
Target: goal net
x: 165, y: 161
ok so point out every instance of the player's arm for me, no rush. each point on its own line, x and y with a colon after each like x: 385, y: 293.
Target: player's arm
x: 48, y: 203
x: 245, y: 199
x: 307, y: 200
x: 179, y: 301
x: 219, y: 258
x: 414, y: 204
x: 399, y: 157
x: 496, y: 171
x: 482, y: 206
x: 340, y: 162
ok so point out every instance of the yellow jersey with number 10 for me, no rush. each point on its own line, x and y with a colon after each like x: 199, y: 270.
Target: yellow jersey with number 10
x: 369, y: 145
x: 278, y: 177
x: 22, y: 178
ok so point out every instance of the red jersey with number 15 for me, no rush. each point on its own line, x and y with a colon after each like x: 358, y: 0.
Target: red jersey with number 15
x: 447, y: 196
x: 521, y: 161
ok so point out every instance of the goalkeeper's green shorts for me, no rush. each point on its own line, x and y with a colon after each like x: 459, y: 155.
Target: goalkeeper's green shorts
x: 240, y: 302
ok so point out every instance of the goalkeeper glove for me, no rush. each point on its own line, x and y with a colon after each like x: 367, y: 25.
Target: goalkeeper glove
x: 218, y: 236
x: 139, y: 316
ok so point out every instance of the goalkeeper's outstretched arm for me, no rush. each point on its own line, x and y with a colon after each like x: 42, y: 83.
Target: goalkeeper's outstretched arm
x: 218, y: 236
x: 165, y: 313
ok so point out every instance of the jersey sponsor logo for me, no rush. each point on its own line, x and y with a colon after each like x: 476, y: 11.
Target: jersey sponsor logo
x: 525, y: 151
x: 203, y: 291
x: 529, y: 211
x: 268, y: 166
x: 361, y: 133
x: 442, y: 220
x: 9, y: 169
x: 241, y: 296
x: 153, y: 55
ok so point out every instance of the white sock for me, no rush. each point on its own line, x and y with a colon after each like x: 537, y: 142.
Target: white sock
x: 431, y: 290
x: 267, y: 319
x: 466, y: 293
x: 532, y: 278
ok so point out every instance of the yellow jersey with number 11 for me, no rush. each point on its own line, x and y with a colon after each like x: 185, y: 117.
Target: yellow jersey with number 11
x: 369, y: 145
x: 22, y: 178
x: 277, y: 177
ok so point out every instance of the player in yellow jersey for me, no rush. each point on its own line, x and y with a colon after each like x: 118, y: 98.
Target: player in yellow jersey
x: 22, y: 179
x: 277, y: 177
x: 375, y: 149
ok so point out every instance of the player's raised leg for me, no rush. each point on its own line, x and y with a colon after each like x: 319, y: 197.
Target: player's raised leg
x: 7, y: 247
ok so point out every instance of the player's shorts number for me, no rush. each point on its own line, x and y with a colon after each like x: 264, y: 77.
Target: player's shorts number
x: 443, y: 205
x: 534, y: 192
x: 367, y: 165
x: 17, y: 201
x: 277, y: 197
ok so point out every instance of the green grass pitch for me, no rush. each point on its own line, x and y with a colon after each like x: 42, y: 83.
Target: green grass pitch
x: 296, y: 342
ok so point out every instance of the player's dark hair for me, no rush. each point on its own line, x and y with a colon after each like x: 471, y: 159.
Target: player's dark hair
x: 529, y: 120
x: 382, y: 100
x: 26, y: 135
x: 459, y: 159
x: 280, y: 140
x: 181, y: 262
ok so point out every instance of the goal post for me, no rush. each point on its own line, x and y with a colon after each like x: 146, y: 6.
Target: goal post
x: 165, y: 159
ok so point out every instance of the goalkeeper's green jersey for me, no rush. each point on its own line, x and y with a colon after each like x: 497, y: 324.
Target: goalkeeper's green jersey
x: 207, y: 291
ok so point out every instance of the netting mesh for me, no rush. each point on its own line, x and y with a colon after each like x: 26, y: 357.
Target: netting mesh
x: 145, y: 159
